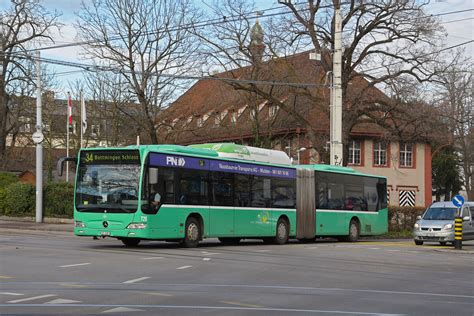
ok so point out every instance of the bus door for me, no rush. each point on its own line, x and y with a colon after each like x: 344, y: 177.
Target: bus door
x: 221, y: 213
x: 305, y: 204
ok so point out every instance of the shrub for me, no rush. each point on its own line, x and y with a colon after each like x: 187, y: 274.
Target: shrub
x: 403, y: 217
x: 18, y: 199
x: 6, y: 179
x: 58, y: 199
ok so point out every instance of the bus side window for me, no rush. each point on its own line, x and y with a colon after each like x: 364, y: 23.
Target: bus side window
x: 242, y: 190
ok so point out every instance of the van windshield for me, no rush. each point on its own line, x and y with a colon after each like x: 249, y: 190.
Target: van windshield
x: 441, y: 213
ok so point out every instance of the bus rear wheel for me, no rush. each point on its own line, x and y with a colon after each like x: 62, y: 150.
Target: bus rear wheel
x: 282, y: 232
x: 354, y: 232
x: 192, y: 233
x: 130, y: 242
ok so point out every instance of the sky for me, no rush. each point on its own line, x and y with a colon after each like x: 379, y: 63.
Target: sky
x: 457, y: 32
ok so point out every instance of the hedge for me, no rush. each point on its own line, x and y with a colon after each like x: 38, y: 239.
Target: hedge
x: 403, y: 217
x: 7, y: 178
x: 19, y: 199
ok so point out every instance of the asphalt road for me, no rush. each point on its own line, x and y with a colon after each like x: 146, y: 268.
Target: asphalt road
x: 57, y: 273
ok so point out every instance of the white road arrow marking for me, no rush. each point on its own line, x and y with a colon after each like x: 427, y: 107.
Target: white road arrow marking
x: 62, y: 301
x: 31, y: 298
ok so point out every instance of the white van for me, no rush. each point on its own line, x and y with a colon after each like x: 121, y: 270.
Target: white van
x: 437, y: 223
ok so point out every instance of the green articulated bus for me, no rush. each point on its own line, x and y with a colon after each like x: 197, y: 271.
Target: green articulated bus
x: 229, y: 191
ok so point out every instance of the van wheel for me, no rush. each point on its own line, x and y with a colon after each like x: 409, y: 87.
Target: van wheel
x: 192, y: 233
x: 282, y: 232
x: 130, y: 242
x: 443, y: 243
x: 418, y: 242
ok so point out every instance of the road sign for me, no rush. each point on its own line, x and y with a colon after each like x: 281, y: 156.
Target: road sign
x: 458, y: 200
x: 38, y: 137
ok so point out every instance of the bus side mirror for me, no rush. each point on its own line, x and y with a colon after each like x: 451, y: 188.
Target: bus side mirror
x: 153, y: 175
x: 60, y: 165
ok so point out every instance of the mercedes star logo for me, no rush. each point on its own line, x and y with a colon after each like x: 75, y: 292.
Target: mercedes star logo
x: 105, y: 224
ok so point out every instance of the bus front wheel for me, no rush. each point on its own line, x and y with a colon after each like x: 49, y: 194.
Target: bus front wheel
x: 130, y: 242
x: 192, y: 233
x: 282, y: 232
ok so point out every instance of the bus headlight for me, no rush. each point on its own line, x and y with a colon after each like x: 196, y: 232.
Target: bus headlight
x: 448, y: 227
x: 79, y: 224
x: 136, y: 226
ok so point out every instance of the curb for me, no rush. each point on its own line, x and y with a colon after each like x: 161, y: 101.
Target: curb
x: 46, y: 220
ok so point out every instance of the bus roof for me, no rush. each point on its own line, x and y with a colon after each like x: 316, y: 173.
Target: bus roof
x: 231, y: 151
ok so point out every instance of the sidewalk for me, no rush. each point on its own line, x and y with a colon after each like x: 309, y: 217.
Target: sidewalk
x: 29, y: 223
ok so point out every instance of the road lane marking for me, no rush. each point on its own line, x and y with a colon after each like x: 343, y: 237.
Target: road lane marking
x: 264, y: 250
x: 152, y: 258
x: 136, y: 280
x: 241, y: 304
x: 312, y: 247
x: 394, y: 250
x: 62, y: 301
x: 72, y: 285
x: 374, y: 248
x: 10, y: 293
x: 31, y: 298
x: 158, y: 294
x: 122, y: 310
x: 75, y: 265
x: 134, y: 308
x: 183, y: 267
x: 210, y: 253
x: 5, y: 277
x: 206, y: 259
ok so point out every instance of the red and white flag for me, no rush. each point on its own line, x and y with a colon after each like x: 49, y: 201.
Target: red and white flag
x: 69, y: 108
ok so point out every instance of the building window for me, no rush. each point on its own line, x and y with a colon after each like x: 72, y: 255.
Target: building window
x: 272, y: 111
x: 241, y: 110
x: 380, y: 154
x: 234, y: 117
x: 354, y: 152
x: 25, y: 126
x: 253, y: 114
x: 94, y: 130
x: 406, y: 155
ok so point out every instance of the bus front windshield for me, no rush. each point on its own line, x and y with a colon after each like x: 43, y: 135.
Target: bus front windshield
x: 107, y: 187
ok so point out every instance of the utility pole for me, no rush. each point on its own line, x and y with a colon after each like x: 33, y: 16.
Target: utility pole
x: 336, y: 91
x: 38, y: 139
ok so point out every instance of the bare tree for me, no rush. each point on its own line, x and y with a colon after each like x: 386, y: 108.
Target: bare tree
x: 383, y: 41
x: 148, y: 43
x: 455, y: 101
x: 111, y: 106
x: 20, y: 25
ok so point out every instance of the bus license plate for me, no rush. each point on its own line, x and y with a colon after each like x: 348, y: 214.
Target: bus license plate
x: 105, y: 233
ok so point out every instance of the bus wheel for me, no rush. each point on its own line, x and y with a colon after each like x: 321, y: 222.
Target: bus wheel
x: 130, y: 242
x: 353, y: 231
x: 282, y: 232
x: 443, y: 243
x: 192, y: 233
x: 229, y: 240
x: 418, y: 242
